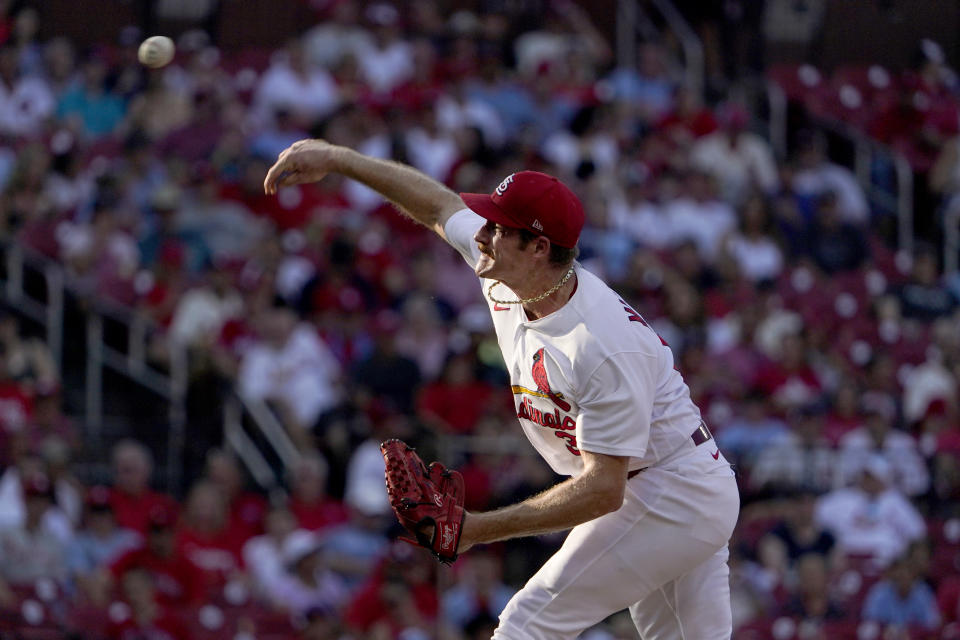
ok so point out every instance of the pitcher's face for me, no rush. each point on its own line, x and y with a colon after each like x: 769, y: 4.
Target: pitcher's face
x: 501, y: 257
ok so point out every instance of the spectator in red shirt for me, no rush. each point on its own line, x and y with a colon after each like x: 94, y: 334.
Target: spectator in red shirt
x: 844, y: 415
x: 177, y: 582
x: 689, y: 119
x: 144, y: 616
x: 790, y: 381
x: 205, y: 538
x: 246, y: 509
x: 399, y: 595
x: 948, y: 599
x: 309, y: 502
x: 131, y: 498
x: 457, y: 401
x: 16, y: 409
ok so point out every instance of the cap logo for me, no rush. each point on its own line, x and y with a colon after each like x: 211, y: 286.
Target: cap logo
x: 536, y: 225
x: 502, y: 187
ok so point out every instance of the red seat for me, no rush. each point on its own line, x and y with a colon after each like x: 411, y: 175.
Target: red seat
x: 870, y: 79
x: 879, y: 87
x: 108, y: 148
x: 50, y: 632
x: 795, y: 80
x: 840, y: 630
x: 853, y: 586
x: 252, y: 58
x: 844, y: 103
x: 754, y: 630
x: 87, y: 621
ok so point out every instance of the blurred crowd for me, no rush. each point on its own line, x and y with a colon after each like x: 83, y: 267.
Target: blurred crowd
x: 825, y: 362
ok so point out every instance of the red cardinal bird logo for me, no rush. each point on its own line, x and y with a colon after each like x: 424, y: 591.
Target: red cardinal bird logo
x: 543, y: 385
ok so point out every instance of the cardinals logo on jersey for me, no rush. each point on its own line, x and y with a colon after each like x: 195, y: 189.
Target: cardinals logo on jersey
x: 543, y: 385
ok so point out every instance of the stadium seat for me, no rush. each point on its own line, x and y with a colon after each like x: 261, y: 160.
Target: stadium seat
x: 840, y: 630
x: 754, y: 630
x: 796, y: 80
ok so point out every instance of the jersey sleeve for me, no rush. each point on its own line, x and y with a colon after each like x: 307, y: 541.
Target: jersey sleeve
x: 460, y: 229
x: 616, y: 406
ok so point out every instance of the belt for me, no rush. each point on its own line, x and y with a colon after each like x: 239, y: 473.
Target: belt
x: 700, y: 435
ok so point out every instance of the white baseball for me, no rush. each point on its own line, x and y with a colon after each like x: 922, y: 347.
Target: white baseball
x: 156, y: 51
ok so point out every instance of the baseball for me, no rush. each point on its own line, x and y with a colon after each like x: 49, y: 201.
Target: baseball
x: 156, y: 51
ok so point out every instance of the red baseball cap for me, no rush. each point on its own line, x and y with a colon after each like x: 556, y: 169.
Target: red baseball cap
x: 533, y: 201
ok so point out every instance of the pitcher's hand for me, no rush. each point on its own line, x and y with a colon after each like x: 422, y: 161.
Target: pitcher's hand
x: 303, y: 161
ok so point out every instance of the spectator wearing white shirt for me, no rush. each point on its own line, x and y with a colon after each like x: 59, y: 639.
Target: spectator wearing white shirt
x: 364, y: 477
x: 430, y: 148
x: 263, y: 554
x: 740, y: 160
x: 202, y: 311
x: 456, y: 111
x: 639, y: 216
x: 31, y: 551
x: 337, y: 37
x: 700, y: 215
x: 306, y: 582
x: 816, y: 175
x: 589, y: 140
x: 26, y: 102
x: 291, y: 367
x: 798, y: 459
x: 389, y: 63
x: 291, y: 84
x: 14, y: 508
x: 567, y: 30
x: 871, y: 518
x: 877, y: 437
x: 752, y: 246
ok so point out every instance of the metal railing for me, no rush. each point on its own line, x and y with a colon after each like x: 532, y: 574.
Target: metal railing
x: 271, y: 429
x: 951, y: 237
x: 631, y: 22
x: 49, y: 312
x: 868, y: 154
x: 131, y: 360
x: 236, y: 439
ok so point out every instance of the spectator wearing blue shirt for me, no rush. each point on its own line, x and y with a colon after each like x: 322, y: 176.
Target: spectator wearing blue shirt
x: 753, y: 430
x: 95, y: 111
x: 479, y: 590
x: 902, y: 599
x: 648, y: 87
x: 99, y: 543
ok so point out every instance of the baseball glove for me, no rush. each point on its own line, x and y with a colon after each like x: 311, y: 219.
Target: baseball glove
x: 428, y: 501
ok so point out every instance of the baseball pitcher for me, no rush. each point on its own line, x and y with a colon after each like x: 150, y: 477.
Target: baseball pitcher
x: 650, y: 499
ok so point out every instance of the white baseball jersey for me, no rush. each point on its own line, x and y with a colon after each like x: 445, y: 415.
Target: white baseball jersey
x: 591, y: 375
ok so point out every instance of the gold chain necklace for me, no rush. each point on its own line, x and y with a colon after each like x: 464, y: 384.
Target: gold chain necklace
x: 540, y: 297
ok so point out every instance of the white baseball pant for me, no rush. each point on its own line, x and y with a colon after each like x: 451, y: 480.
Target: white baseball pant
x: 662, y: 555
